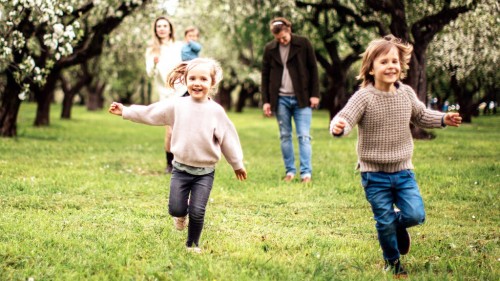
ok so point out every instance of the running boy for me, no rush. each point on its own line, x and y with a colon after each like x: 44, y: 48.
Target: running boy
x: 383, y: 109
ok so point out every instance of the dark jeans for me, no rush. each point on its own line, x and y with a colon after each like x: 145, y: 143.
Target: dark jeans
x: 383, y: 191
x: 196, y: 189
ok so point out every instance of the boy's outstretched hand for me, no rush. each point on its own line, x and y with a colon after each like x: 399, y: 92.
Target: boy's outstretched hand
x: 338, y: 128
x: 116, y: 108
x: 452, y: 119
x: 241, y: 174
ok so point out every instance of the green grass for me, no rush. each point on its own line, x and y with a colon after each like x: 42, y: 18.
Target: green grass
x: 86, y: 199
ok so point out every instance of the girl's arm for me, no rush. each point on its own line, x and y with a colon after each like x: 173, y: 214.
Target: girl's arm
x: 241, y: 174
x: 156, y: 114
x: 230, y: 144
x: 116, y: 108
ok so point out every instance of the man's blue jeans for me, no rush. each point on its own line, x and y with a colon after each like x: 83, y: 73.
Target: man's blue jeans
x: 196, y: 189
x: 383, y: 191
x: 288, y: 108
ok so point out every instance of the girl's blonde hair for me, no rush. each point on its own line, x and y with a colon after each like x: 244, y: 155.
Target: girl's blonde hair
x: 155, y: 44
x: 180, y: 72
x: 379, y: 47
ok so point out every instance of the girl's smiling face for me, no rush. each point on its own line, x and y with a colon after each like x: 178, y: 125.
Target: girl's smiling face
x: 386, y: 70
x: 199, y: 81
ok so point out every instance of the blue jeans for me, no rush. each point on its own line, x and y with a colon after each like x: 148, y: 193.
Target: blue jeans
x: 383, y: 191
x: 196, y: 189
x: 288, y: 108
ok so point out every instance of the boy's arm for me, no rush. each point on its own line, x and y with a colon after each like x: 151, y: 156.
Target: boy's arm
x: 422, y: 116
x: 350, y: 115
x: 452, y: 119
x: 195, y: 46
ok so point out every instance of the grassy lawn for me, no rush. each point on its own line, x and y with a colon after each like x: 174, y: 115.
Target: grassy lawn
x: 86, y: 199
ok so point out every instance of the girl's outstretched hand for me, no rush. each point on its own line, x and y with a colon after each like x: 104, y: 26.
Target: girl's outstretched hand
x: 116, y: 108
x: 241, y: 174
x: 452, y: 119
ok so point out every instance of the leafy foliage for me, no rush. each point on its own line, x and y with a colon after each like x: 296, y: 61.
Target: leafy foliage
x: 469, y: 46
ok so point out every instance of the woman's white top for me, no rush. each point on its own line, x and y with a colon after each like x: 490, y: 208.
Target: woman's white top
x: 170, y: 57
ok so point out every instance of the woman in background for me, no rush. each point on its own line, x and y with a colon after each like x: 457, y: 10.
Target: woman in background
x: 162, y: 55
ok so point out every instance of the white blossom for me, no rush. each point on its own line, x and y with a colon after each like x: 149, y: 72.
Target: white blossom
x: 24, y: 92
x: 58, y: 28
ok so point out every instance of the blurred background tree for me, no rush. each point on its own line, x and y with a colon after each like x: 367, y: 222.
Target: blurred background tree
x: 465, y: 58
x: 93, y: 51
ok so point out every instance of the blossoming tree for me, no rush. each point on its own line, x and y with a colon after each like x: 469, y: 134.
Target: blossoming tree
x: 40, y: 38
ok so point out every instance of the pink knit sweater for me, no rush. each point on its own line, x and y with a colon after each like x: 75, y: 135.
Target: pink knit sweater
x: 201, y: 131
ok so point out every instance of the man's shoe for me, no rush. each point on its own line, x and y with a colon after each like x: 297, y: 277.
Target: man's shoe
x: 404, y: 240
x: 289, y: 177
x: 395, y: 268
x: 181, y: 222
x: 306, y: 180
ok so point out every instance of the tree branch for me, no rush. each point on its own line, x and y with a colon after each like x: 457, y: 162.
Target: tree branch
x: 92, y: 44
x: 344, y: 12
x: 425, y: 29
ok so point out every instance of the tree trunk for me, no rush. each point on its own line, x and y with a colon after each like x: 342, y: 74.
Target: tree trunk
x: 224, y: 95
x: 44, y: 97
x: 70, y: 92
x: 67, y: 105
x: 9, y: 107
x: 336, y: 96
x: 247, y: 91
x: 464, y: 99
x: 417, y: 79
x: 95, y: 99
x: 417, y: 76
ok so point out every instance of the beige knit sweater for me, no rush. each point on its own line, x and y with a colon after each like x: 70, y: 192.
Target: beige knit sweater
x: 201, y: 131
x: 385, y: 143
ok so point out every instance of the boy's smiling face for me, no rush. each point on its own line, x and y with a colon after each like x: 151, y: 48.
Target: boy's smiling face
x: 386, y: 70
x: 192, y: 36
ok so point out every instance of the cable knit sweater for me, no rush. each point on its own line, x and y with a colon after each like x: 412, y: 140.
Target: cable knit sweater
x: 201, y: 131
x: 385, y: 143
